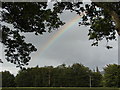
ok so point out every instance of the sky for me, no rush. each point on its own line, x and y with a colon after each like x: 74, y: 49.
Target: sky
x: 69, y: 44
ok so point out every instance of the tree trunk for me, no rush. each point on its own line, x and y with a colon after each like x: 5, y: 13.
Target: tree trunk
x: 116, y: 19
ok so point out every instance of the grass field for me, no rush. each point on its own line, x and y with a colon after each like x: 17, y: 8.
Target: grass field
x: 59, y: 88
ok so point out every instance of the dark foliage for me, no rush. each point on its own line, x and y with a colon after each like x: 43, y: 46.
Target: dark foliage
x: 8, y: 79
x: 103, y: 19
x: 76, y: 75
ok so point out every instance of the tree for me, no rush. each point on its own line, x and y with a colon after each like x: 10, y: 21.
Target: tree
x: 81, y: 75
x: 76, y: 75
x: 25, y: 20
x: 96, y: 78
x: 96, y: 15
x: 0, y: 79
x: 8, y: 79
x: 112, y: 75
x: 24, y: 78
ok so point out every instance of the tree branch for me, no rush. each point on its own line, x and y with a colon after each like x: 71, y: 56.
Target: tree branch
x: 113, y: 14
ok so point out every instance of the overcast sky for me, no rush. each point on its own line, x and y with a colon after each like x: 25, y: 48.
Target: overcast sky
x: 72, y: 47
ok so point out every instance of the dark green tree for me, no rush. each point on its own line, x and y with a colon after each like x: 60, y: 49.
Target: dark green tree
x: 112, y: 75
x: 96, y: 79
x: 8, y: 79
x: 25, y: 20
x: 24, y: 78
x: 96, y: 15
x: 76, y: 75
x: 118, y: 75
x: 81, y: 75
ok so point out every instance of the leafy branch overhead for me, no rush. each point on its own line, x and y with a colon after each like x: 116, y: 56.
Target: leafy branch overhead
x: 25, y: 20
x: 103, y: 19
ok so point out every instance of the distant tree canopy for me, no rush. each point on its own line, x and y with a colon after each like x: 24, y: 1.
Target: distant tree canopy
x: 112, y: 75
x: 8, y: 79
x: 76, y: 75
x: 102, y: 17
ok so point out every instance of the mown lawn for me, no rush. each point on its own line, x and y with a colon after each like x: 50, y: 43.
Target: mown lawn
x: 58, y: 88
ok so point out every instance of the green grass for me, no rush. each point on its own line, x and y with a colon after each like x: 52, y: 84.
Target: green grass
x: 58, y: 88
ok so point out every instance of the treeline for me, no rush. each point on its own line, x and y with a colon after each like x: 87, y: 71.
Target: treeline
x: 76, y: 75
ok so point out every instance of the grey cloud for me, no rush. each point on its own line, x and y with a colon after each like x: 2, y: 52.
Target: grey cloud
x: 72, y: 47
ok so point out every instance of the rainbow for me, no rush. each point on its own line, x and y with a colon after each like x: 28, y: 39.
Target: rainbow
x: 60, y: 32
